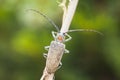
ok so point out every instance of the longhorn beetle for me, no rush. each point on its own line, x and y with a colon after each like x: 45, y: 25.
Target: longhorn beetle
x: 57, y: 46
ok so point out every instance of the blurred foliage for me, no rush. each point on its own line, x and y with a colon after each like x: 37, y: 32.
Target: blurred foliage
x: 23, y: 35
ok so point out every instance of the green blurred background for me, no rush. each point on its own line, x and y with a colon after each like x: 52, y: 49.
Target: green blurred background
x: 23, y: 35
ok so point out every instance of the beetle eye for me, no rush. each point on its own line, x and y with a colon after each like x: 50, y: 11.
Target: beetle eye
x: 64, y: 34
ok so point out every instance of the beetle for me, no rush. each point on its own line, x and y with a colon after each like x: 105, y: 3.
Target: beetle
x: 57, y: 46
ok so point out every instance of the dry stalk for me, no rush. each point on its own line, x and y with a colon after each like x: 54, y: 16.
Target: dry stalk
x: 68, y: 12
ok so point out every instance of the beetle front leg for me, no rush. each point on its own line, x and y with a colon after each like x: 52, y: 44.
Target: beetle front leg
x: 54, y: 34
x: 69, y: 37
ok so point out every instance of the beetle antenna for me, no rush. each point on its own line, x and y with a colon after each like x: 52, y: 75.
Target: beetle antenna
x: 86, y: 30
x: 50, y: 21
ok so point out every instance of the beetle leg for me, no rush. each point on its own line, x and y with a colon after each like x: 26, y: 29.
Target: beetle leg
x: 66, y: 51
x: 45, y: 55
x: 54, y: 78
x: 54, y: 34
x: 69, y: 37
x: 47, y: 48
x: 60, y: 65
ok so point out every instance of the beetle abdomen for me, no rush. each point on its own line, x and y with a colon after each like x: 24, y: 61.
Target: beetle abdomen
x: 54, y: 56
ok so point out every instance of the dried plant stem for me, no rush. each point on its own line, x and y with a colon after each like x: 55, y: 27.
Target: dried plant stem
x: 46, y: 75
x: 68, y: 13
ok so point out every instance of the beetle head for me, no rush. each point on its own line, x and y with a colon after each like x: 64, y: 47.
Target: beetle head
x: 60, y: 37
